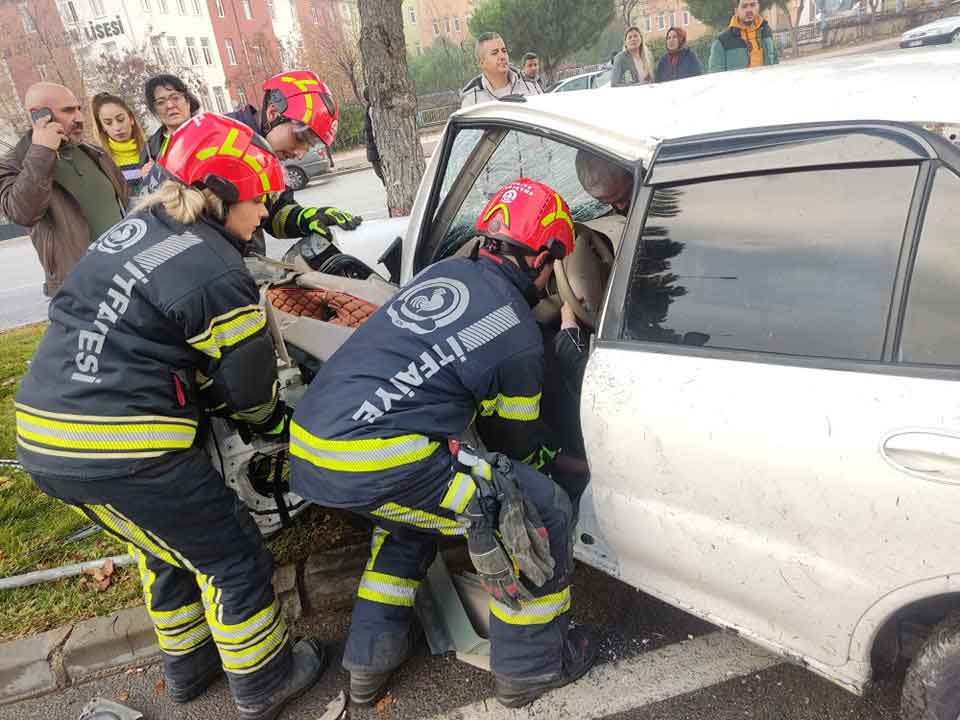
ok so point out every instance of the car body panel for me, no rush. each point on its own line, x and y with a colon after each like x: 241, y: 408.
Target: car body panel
x: 938, y: 31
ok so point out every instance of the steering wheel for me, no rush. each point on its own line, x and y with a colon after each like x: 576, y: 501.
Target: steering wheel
x: 586, y: 269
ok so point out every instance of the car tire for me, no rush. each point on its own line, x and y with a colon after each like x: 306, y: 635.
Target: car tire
x: 930, y: 688
x: 296, y: 178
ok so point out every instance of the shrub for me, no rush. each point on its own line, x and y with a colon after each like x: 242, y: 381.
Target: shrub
x: 350, y: 133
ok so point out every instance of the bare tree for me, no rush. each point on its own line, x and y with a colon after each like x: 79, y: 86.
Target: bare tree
x: 333, y: 51
x: 393, y: 101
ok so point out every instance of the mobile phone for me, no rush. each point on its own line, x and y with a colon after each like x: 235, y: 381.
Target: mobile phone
x: 41, y: 113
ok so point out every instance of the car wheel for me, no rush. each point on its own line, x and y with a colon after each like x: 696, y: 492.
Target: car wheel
x: 296, y: 178
x: 930, y: 689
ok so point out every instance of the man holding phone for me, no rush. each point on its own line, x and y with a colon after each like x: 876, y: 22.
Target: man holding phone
x: 66, y: 191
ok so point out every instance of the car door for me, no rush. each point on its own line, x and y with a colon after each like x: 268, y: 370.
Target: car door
x: 772, y: 410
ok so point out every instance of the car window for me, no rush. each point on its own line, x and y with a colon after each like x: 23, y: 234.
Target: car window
x: 795, y: 263
x: 602, y: 79
x: 463, y: 145
x: 521, y: 155
x: 930, y: 328
x: 581, y: 83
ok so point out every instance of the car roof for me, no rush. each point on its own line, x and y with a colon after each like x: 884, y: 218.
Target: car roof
x: 629, y: 122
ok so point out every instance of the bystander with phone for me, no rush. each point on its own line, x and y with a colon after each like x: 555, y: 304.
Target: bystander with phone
x: 65, y: 190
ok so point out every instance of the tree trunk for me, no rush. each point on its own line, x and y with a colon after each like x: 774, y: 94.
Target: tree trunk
x: 796, y: 28
x: 794, y: 33
x: 392, y: 100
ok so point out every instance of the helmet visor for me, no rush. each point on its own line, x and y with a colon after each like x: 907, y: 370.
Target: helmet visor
x: 306, y: 134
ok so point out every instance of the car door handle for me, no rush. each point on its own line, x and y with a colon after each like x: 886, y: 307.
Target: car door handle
x: 934, y: 455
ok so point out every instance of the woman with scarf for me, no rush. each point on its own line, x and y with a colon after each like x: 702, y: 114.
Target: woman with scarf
x: 121, y: 135
x: 679, y: 61
x: 632, y: 66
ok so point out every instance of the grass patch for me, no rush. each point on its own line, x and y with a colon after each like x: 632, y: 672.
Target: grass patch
x: 34, y: 527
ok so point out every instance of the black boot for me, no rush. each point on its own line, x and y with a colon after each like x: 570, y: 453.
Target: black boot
x: 367, y: 687
x: 309, y: 661
x: 579, y: 654
x: 188, y: 676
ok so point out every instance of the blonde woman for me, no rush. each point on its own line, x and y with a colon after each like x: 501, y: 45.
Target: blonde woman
x: 122, y: 136
x: 168, y: 324
x: 634, y: 65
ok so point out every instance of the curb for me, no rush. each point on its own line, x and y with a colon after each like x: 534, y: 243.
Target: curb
x: 101, y: 646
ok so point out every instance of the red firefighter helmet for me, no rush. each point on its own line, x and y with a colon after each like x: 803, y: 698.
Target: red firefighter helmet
x: 302, y: 98
x: 531, y: 215
x: 225, y: 156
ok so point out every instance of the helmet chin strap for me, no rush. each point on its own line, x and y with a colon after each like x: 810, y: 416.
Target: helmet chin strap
x: 494, y: 249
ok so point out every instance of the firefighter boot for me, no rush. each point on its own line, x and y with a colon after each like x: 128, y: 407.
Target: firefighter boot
x: 309, y: 662
x: 579, y: 654
x: 368, y: 683
x: 189, y: 675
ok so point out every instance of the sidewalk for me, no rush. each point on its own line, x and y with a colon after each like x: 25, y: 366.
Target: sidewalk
x: 355, y: 159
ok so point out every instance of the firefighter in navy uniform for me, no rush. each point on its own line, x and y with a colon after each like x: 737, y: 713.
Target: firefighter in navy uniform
x: 371, y: 435
x: 298, y: 115
x: 107, y: 417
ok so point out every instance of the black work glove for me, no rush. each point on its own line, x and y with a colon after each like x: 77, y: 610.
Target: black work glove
x: 334, y: 216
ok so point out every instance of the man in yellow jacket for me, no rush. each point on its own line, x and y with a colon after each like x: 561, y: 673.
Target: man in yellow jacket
x: 747, y: 42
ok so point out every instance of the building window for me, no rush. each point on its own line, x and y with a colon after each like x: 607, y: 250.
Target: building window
x: 182, y: 6
x: 413, y: 16
x: 68, y: 11
x: 110, y: 48
x: 673, y: 19
x: 686, y: 17
x: 258, y: 53
x: 197, y: 8
x: 219, y: 99
x: 219, y: 8
x: 163, y: 6
x: 456, y: 24
x: 42, y: 71
x: 174, y: 50
x: 314, y: 14
x: 242, y: 94
x: 272, y: 9
x: 205, y: 49
x: 446, y: 24
x: 247, y: 10
x: 96, y: 8
x: 146, y: 5
x: 192, y: 51
x: 26, y: 18
x: 436, y: 28
x: 157, y: 51
x: 661, y: 21
x: 231, y: 55
x: 646, y: 23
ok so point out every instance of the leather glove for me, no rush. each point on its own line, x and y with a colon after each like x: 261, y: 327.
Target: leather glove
x: 522, y: 532
x: 345, y: 220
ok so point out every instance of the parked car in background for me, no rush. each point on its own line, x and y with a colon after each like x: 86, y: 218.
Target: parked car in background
x: 584, y: 81
x: 300, y: 172
x: 939, y: 32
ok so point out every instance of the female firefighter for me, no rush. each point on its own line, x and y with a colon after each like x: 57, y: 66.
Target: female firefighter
x: 161, y: 311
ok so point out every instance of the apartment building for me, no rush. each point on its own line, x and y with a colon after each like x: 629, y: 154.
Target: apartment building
x: 247, y: 45
x: 426, y: 21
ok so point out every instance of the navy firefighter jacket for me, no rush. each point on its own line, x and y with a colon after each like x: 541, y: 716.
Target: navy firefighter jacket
x: 459, y: 341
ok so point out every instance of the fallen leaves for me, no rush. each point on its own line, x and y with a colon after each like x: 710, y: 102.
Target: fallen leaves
x: 384, y: 703
x: 123, y: 696
x: 5, y: 482
x: 101, y: 575
x: 159, y: 686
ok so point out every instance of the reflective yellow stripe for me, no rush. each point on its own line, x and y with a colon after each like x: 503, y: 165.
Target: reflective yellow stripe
x: 376, y: 544
x: 258, y: 168
x: 146, y: 541
x: 459, y: 493
x: 259, y: 413
x: 418, y: 518
x: 538, y: 611
x: 365, y: 455
x: 280, y: 220
x: 229, y: 329
x: 163, y: 434
x: 501, y: 207
x: 178, y: 631
x: 558, y: 214
x: 387, y: 589
x: 540, y: 457
x: 519, y: 407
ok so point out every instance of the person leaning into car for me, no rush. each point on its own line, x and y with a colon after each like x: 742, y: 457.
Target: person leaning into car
x: 66, y: 191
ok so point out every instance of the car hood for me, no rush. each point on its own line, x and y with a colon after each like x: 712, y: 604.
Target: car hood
x: 369, y: 241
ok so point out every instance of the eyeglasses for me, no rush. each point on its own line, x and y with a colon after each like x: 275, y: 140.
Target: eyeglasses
x: 174, y: 98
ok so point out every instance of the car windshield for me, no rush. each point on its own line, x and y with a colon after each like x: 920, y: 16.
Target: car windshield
x: 517, y: 154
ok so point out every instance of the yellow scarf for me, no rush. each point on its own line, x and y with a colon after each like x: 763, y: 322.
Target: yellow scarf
x: 751, y: 36
x: 124, y: 153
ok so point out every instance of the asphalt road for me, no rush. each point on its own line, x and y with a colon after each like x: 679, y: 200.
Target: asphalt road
x: 21, y: 277
x: 653, y: 667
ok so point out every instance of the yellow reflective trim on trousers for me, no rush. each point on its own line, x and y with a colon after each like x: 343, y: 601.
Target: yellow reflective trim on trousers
x: 145, y: 541
x: 364, y: 455
x: 168, y: 434
x: 518, y: 407
x: 418, y: 518
x: 459, y: 493
x: 538, y: 611
x: 229, y: 329
x: 376, y: 544
x: 387, y: 589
